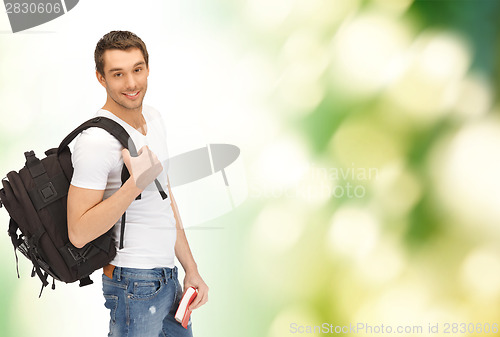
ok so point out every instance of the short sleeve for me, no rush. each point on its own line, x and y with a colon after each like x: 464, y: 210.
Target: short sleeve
x: 95, y: 154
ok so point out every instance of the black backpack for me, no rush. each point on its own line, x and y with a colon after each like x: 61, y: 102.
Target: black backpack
x: 36, y: 199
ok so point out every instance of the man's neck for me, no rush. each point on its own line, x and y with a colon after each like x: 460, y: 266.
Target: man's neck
x: 132, y: 117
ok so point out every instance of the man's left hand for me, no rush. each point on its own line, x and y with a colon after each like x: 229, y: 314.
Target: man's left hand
x: 193, y: 279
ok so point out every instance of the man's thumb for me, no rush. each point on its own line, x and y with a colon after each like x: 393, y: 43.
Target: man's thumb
x: 126, y: 156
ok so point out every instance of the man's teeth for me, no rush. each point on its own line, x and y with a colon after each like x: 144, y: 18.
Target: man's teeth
x: 134, y: 94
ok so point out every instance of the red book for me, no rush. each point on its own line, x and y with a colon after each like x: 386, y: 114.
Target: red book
x: 183, y: 313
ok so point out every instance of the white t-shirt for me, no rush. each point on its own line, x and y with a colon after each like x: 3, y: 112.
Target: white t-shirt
x: 150, y: 231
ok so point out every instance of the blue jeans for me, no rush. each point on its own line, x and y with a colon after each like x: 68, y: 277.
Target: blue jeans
x: 142, y: 303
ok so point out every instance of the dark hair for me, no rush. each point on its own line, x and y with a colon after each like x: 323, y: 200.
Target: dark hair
x: 118, y: 39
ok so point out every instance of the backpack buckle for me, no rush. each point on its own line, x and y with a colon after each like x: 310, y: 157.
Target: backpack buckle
x: 47, y: 192
x: 28, y: 154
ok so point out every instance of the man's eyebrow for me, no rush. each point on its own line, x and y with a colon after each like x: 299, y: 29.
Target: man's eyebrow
x: 120, y: 69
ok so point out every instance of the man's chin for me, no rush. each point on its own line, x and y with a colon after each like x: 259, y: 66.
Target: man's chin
x: 135, y: 106
x: 131, y: 105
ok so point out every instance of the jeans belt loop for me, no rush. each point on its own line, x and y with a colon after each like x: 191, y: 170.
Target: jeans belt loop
x: 118, y: 273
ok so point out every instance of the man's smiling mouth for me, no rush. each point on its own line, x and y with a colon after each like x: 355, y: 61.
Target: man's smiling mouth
x: 132, y: 95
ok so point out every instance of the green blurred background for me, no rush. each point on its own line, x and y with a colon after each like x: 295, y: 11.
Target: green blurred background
x: 370, y: 136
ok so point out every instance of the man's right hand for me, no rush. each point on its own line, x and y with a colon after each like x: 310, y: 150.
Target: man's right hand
x: 144, y: 168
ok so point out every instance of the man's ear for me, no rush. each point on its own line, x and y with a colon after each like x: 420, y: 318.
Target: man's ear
x: 100, y: 78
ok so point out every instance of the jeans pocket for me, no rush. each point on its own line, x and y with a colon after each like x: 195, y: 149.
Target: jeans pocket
x: 177, y: 295
x: 111, y: 303
x: 146, y: 289
x: 178, y: 292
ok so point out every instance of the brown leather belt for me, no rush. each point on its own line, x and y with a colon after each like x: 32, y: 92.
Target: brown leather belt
x: 108, y: 270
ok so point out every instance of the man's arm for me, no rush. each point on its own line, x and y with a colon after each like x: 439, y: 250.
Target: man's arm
x: 186, y: 259
x: 89, y: 216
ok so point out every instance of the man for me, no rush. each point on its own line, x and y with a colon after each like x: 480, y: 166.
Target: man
x: 140, y: 285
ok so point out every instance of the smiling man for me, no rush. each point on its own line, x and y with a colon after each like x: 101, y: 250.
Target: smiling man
x: 140, y: 285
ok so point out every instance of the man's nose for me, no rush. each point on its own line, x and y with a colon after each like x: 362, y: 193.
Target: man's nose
x: 131, y: 82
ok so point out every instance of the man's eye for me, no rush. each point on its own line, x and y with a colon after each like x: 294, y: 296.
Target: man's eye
x: 138, y: 69
x: 118, y: 75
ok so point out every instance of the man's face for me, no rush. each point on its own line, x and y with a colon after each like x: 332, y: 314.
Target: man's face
x: 125, y: 77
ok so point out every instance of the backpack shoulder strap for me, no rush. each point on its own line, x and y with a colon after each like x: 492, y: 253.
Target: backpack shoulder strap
x: 114, y: 128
